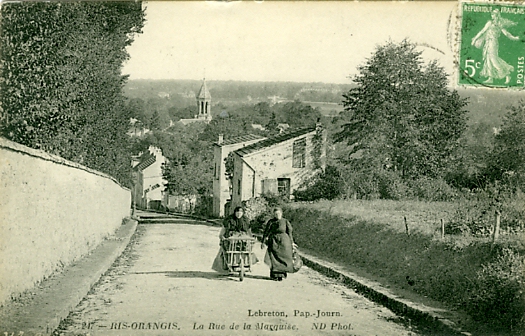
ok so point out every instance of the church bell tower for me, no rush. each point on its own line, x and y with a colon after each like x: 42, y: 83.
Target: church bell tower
x: 204, y: 102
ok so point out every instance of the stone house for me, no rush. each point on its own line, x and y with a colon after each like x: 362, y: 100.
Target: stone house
x: 136, y: 128
x: 221, y: 182
x: 279, y: 164
x: 283, y: 127
x: 148, y: 183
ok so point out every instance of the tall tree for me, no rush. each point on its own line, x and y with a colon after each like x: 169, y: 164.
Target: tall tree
x: 401, y: 116
x: 64, y: 95
x: 509, y: 144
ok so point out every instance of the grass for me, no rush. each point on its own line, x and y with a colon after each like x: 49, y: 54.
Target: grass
x: 422, y: 217
x: 370, y: 235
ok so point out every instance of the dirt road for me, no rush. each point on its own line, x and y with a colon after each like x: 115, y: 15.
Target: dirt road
x: 163, y: 285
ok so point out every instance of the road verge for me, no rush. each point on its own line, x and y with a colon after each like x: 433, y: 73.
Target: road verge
x: 440, y: 320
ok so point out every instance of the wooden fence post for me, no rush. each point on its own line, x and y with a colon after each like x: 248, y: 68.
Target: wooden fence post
x: 442, y: 229
x: 496, y: 226
x: 406, y: 224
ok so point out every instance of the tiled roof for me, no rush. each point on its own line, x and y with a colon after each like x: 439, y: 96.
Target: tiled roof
x: 190, y: 121
x: 273, y: 141
x: 145, y: 160
x: 242, y: 138
x: 204, y: 93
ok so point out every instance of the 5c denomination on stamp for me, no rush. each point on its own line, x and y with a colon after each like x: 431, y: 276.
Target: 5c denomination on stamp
x: 492, y: 46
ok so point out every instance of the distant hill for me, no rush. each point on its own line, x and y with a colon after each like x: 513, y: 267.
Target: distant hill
x: 236, y: 90
x: 490, y: 105
x: 485, y: 105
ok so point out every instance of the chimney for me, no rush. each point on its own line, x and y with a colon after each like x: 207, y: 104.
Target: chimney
x: 221, y: 139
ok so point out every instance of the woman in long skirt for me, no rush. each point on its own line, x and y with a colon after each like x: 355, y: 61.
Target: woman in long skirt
x: 278, y: 237
x: 235, y: 224
x: 494, y: 67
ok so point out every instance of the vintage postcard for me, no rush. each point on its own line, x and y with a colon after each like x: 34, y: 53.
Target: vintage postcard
x: 262, y: 168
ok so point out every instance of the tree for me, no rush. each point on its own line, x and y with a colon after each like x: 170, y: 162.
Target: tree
x: 230, y: 127
x: 473, y: 157
x: 298, y: 114
x: 271, y: 126
x: 187, y: 112
x: 154, y: 122
x: 401, y: 116
x: 191, y: 176
x: 509, y: 144
x: 137, y: 108
x: 64, y: 95
x: 262, y: 109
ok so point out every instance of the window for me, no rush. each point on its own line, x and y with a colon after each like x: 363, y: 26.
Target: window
x: 216, y: 171
x: 238, y: 187
x: 283, y: 187
x: 269, y: 186
x: 299, y: 153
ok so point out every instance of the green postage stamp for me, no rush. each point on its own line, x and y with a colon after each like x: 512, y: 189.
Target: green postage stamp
x: 492, y: 46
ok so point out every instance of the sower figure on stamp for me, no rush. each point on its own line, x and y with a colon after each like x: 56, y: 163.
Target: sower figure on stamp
x: 493, y: 66
x: 278, y: 236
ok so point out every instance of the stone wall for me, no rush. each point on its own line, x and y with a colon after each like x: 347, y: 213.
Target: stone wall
x: 52, y: 212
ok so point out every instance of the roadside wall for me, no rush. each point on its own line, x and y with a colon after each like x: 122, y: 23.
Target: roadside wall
x: 52, y: 212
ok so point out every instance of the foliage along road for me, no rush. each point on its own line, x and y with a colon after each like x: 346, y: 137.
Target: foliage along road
x: 163, y: 284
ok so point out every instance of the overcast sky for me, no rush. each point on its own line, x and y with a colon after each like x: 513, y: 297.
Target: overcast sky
x: 282, y: 41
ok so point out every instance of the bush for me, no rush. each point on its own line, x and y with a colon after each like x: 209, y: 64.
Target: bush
x: 475, y: 213
x: 204, y: 206
x: 430, y: 189
x: 254, y: 207
x: 391, y: 186
x: 358, y: 184
x: 256, y: 210
x: 474, y: 216
x: 324, y: 185
x: 499, y: 294
x: 274, y: 200
x: 513, y: 211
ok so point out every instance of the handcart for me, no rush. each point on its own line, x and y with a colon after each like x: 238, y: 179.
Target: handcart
x: 237, y: 252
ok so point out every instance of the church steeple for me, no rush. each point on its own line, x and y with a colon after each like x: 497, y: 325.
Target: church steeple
x: 204, y: 102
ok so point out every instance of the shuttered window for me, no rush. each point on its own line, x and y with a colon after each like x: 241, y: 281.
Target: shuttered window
x: 299, y: 153
x: 269, y: 186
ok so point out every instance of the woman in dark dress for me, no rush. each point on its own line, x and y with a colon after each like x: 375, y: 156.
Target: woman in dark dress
x: 236, y: 224
x: 278, y: 237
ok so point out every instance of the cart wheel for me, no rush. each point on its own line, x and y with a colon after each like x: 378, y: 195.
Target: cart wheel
x: 241, y: 273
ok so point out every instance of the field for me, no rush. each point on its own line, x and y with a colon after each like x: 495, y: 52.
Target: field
x: 327, y: 109
x: 422, y: 217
